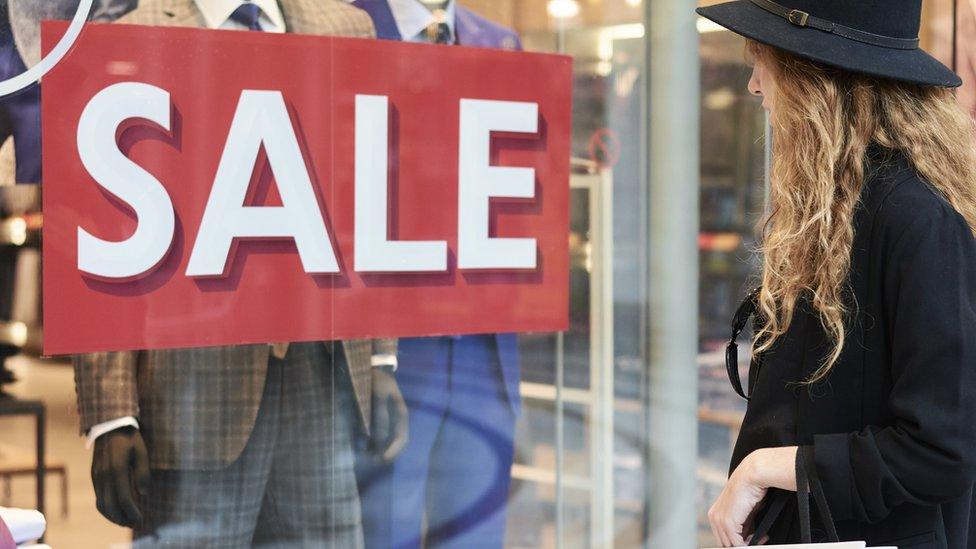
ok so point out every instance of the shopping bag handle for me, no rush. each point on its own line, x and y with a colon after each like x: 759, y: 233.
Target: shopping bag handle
x: 807, y: 484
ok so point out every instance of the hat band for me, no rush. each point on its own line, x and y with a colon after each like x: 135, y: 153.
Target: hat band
x: 804, y: 19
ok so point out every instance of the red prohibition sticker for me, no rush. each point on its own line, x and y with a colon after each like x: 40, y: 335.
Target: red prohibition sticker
x: 604, y: 148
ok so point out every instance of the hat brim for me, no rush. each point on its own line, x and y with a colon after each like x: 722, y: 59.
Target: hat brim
x: 749, y: 20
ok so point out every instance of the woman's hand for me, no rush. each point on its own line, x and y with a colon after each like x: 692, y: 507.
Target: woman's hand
x: 732, y: 513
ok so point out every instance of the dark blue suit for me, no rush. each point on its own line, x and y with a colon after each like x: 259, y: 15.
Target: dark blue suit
x: 463, y: 397
x: 20, y: 114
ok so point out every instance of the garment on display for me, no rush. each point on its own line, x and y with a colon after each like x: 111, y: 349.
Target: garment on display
x: 207, y: 434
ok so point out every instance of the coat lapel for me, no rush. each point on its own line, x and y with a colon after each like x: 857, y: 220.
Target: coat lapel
x: 382, y: 15
x: 475, y: 31
x: 298, y: 14
x: 466, y: 29
x: 298, y: 17
x: 180, y: 13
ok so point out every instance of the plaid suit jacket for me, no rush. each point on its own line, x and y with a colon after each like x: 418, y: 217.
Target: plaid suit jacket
x: 196, y: 407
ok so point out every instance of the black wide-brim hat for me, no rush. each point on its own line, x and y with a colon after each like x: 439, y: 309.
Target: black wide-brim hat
x: 873, y: 37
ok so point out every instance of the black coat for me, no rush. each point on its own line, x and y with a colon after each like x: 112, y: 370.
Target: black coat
x: 894, y: 425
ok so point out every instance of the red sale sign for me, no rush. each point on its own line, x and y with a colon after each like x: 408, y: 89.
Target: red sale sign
x: 214, y: 188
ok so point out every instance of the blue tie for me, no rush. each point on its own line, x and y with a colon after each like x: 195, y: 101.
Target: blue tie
x: 249, y: 15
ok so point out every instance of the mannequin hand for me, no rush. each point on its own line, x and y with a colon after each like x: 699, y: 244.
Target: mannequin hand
x: 731, y: 516
x: 120, y: 466
x: 389, y: 423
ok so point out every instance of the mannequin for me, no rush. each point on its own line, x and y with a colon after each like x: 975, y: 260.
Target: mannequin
x: 450, y: 486
x: 243, y: 445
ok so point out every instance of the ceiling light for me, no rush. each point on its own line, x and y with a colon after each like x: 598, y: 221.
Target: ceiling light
x: 563, y: 9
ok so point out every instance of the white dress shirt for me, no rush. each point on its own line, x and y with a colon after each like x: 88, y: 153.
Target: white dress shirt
x: 412, y: 19
x: 216, y: 14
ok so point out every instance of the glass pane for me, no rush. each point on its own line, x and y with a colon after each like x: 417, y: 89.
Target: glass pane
x: 732, y: 198
x: 591, y: 440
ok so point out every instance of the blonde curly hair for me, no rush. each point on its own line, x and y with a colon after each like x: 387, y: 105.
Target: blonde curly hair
x: 823, y: 121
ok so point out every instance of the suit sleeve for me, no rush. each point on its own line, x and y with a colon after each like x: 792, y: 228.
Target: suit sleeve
x: 106, y: 387
x: 517, y: 42
x: 925, y: 456
x: 346, y: 20
x: 385, y: 347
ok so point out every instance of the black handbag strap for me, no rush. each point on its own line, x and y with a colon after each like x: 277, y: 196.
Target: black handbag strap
x: 772, y: 513
x: 816, y: 488
x: 803, y: 497
x: 807, y: 484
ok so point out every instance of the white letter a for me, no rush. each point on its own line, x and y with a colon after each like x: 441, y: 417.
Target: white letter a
x: 261, y: 117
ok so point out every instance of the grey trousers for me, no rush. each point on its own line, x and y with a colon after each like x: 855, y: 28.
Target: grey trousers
x: 294, y: 484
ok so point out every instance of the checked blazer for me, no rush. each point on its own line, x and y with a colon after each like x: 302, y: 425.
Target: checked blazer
x: 196, y: 407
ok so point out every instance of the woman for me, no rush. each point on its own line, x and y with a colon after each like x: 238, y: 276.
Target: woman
x: 866, y: 317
